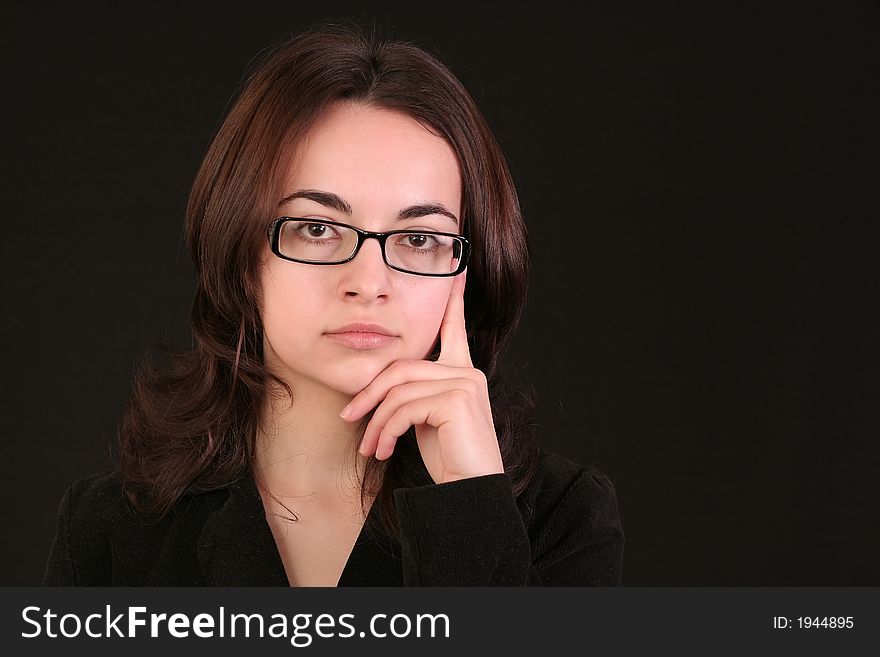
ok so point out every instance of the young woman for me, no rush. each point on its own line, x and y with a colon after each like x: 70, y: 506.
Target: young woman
x: 342, y: 418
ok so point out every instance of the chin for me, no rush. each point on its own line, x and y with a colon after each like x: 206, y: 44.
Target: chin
x: 352, y: 377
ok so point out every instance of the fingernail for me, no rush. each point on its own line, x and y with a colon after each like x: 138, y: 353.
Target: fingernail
x: 345, y: 411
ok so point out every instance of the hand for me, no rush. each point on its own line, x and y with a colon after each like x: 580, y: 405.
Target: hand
x: 447, y: 401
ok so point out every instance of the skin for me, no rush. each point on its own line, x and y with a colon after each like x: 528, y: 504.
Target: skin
x: 379, y: 162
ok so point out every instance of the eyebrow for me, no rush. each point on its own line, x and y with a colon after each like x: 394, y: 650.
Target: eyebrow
x: 331, y: 200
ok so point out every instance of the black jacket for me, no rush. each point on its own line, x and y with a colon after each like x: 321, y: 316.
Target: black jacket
x: 564, y: 530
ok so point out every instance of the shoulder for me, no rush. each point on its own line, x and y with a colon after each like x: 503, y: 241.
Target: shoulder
x: 557, y: 478
x: 102, y: 540
x: 101, y: 494
x: 90, y: 505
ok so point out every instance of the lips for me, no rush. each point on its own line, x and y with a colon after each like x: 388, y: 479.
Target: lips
x: 362, y: 335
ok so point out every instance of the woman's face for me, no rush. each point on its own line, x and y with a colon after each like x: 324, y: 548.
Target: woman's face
x: 360, y: 166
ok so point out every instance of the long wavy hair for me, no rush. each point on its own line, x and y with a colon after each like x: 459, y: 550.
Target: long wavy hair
x: 191, y: 422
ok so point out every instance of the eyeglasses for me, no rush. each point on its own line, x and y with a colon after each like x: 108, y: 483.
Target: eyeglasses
x: 420, y: 252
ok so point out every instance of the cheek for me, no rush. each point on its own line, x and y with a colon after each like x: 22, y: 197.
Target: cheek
x: 424, y: 313
x: 290, y: 303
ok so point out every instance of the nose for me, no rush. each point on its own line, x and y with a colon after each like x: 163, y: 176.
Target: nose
x: 367, y: 275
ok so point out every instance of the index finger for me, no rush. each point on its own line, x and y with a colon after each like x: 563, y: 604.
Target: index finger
x: 454, y: 348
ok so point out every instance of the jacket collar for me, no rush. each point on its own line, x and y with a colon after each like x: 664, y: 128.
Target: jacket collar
x: 236, y: 547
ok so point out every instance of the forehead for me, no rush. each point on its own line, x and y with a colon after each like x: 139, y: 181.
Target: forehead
x: 376, y: 159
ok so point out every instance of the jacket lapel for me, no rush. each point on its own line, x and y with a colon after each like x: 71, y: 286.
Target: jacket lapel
x: 375, y: 559
x: 236, y: 547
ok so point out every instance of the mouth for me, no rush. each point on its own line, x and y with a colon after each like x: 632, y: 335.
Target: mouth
x: 362, y: 335
x: 362, y: 327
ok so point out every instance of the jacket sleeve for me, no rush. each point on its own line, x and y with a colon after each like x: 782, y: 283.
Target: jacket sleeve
x: 471, y: 533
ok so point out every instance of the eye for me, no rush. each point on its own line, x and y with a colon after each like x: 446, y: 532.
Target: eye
x: 418, y: 241
x: 316, y: 230
x: 423, y: 242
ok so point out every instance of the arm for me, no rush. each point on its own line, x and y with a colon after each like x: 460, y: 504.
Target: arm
x: 471, y: 533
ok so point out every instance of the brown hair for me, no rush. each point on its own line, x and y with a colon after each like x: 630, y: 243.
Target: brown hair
x: 191, y: 423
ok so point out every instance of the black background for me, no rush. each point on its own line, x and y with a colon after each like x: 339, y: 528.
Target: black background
x: 700, y: 190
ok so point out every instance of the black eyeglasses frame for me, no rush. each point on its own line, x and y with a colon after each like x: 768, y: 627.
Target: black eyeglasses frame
x: 274, y: 234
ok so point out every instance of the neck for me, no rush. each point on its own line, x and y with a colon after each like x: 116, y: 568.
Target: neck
x: 306, y: 455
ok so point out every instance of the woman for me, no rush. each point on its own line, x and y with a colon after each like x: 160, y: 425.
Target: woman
x: 341, y: 418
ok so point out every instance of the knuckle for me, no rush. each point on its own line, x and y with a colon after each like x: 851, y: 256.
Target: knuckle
x: 480, y: 377
x: 394, y: 394
x: 470, y: 385
x: 399, y: 365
